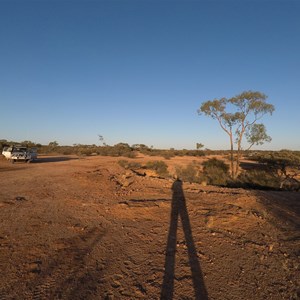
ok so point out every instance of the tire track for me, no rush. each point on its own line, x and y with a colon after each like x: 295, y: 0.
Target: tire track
x: 60, y: 277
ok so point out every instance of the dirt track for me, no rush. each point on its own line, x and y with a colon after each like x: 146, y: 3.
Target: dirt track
x: 70, y: 230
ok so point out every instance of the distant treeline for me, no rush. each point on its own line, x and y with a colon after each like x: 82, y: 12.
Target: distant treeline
x: 121, y: 149
x: 279, y: 170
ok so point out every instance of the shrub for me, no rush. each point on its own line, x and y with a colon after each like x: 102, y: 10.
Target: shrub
x: 159, y: 166
x: 129, y: 154
x: 217, y: 163
x: 277, y: 170
x: 215, y: 171
x: 216, y: 176
x: 120, y: 149
x: 190, y: 173
x: 129, y: 165
x: 82, y: 151
x: 167, y: 154
x: 260, y: 179
x: 67, y: 151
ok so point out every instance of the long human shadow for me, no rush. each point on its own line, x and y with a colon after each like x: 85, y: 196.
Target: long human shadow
x: 179, y: 209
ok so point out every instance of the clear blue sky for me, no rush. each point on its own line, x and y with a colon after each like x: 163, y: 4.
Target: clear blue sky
x: 137, y: 71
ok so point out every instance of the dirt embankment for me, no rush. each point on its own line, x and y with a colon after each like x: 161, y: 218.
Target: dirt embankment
x: 85, y: 229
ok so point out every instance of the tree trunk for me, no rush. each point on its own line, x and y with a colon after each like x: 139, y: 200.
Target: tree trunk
x: 237, y: 164
x: 238, y: 155
x: 231, y: 157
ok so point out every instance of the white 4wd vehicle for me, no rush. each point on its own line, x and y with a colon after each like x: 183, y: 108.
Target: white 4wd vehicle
x: 19, y: 153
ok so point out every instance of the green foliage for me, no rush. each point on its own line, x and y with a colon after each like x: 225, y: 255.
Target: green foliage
x: 160, y: 167
x: 215, y: 171
x: 238, y: 116
x: 199, y: 146
x: 257, y: 135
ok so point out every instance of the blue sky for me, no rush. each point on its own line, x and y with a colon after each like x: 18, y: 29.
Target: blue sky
x: 137, y: 71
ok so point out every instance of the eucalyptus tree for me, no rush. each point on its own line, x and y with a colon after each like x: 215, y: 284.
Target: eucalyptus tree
x: 238, y: 117
x: 199, y: 146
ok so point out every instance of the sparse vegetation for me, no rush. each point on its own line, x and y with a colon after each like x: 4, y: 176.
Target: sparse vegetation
x: 129, y: 165
x: 160, y: 167
x: 120, y: 149
x: 257, y: 179
x: 190, y: 173
x: 283, y: 167
x: 273, y: 170
x: 216, y: 172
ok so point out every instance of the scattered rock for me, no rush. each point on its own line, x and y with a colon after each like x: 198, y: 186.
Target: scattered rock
x: 118, y: 277
x: 34, y: 267
x: 20, y: 198
x: 141, y: 288
x: 125, y: 180
x: 115, y: 284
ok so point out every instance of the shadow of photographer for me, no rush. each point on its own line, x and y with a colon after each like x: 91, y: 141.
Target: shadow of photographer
x: 179, y: 209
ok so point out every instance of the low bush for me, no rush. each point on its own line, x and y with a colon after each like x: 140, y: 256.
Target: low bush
x: 129, y: 165
x: 277, y: 170
x: 116, y: 151
x: 160, y: 167
x: 258, y: 179
x: 190, y: 173
x: 168, y: 155
x: 215, y: 163
x: 216, y: 176
x: 216, y: 172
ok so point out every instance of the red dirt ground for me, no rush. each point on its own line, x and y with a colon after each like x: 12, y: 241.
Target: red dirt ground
x: 87, y: 229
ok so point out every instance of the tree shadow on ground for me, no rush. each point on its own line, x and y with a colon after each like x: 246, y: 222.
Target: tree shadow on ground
x: 179, y: 209
x: 253, y: 165
x: 284, y: 206
x: 49, y: 159
x: 67, y: 275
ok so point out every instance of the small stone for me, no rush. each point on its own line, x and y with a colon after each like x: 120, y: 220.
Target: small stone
x: 115, y: 284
